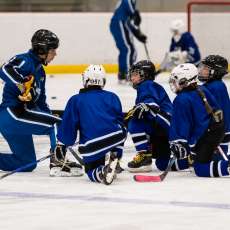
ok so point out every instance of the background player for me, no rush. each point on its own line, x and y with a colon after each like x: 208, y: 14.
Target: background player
x: 124, y: 24
x: 183, y: 47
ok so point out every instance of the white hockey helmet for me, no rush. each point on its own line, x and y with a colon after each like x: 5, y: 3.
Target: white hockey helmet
x: 94, y: 75
x: 177, y: 26
x: 182, y: 76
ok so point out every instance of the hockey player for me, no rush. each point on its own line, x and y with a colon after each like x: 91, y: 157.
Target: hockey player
x: 24, y: 111
x: 183, y: 47
x: 97, y: 115
x: 149, y: 120
x: 211, y: 71
x: 197, y: 126
x: 124, y: 24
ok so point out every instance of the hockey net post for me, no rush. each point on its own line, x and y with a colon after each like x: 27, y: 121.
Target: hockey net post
x: 209, y: 22
x: 202, y: 3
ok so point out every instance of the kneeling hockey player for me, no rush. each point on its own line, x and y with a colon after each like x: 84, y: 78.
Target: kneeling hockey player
x: 149, y: 120
x: 97, y: 115
x: 197, y: 125
x: 211, y: 71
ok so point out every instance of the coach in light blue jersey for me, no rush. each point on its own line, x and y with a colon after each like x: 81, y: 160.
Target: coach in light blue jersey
x: 24, y: 110
x: 124, y: 24
x: 97, y: 115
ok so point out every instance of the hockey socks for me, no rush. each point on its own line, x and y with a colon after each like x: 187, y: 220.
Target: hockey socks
x: 212, y: 169
x: 95, y: 175
x: 104, y: 174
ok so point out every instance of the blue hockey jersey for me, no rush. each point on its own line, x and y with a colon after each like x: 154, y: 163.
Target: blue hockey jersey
x: 219, y: 91
x: 97, y: 115
x: 123, y: 15
x: 124, y: 10
x: 189, y: 118
x: 15, y: 71
x: 187, y: 43
x: 152, y: 93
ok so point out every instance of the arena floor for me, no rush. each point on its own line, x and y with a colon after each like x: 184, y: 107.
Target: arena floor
x: 37, y: 201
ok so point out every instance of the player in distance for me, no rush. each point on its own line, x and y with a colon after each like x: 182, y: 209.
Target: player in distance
x: 97, y: 115
x: 197, y: 124
x: 183, y: 47
x: 125, y: 24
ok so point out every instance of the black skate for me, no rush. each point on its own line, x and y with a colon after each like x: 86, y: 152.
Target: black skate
x: 142, y: 162
x: 64, y: 168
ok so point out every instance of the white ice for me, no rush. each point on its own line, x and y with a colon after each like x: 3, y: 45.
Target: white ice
x: 37, y: 201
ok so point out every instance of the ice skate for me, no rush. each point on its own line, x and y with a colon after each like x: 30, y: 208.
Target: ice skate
x: 109, y: 170
x: 142, y: 162
x: 64, y: 168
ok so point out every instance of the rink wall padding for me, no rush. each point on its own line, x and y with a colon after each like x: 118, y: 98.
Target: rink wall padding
x: 70, y: 69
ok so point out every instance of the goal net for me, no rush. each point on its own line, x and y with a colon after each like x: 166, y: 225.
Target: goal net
x: 209, y: 22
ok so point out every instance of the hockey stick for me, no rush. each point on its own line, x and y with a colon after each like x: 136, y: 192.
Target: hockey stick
x: 26, y: 166
x: 147, y: 52
x: 76, y: 156
x: 222, y: 153
x: 159, y: 178
x: 148, y: 58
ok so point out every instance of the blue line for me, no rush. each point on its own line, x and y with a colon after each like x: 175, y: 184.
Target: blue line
x: 115, y: 200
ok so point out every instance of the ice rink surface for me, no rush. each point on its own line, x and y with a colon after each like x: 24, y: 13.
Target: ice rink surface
x: 37, y: 201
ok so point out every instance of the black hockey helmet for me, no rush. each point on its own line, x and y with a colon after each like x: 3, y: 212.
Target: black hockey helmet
x: 44, y: 40
x: 145, y: 68
x: 218, y: 67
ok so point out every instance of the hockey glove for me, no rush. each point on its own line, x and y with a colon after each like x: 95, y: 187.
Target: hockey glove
x: 60, y: 152
x: 137, y: 18
x: 141, y: 37
x: 128, y: 117
x: 140, y: 110
x: 27, y: 89
x: 179, y: 149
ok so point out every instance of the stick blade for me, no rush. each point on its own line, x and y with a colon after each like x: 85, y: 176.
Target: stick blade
x: 144, y: 178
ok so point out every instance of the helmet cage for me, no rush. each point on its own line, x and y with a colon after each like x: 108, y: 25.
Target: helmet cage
x: 205, y: 72
x: 177, y: 85
x: 145, y: 69
x: 217, y: 65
